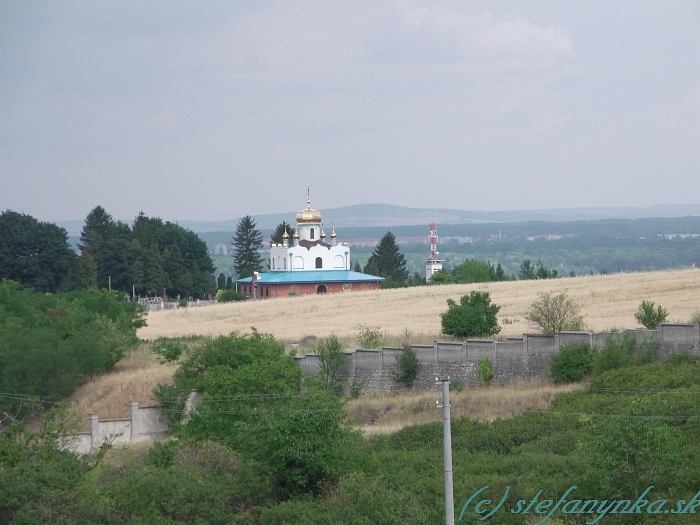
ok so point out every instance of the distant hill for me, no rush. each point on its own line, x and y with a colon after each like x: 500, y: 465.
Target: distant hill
x: 387, y: 215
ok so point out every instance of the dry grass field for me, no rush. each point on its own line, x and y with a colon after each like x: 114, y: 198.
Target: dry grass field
x: 384, y: 414
x: 608, y: 301
x: 132, y: 378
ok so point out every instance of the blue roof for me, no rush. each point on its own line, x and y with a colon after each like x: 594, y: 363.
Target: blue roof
x: 314, y: 276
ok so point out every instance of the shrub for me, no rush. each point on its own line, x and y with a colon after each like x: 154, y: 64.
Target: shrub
x: 406, y: 367
x: 370, y: 337
x: 227, y: 296
x: 649, y: 317
x: 484, y: 372
x: 330, y: 358
x: 169, y: 350
x: 572, y: 363
x: 617, y: 352
x: 554, y: 313
x: 474, y: 316
x: 623, y: 350
x: 441, y: 277
x: 695, y: 318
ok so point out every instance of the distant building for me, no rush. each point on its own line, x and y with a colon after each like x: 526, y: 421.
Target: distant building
x: 221, y: 249
x: 307, y: 264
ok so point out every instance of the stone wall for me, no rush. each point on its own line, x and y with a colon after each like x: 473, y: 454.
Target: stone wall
x: 514, y: 360
x: 143, y: 424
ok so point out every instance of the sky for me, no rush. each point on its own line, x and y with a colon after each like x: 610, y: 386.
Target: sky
x: 214, y: 110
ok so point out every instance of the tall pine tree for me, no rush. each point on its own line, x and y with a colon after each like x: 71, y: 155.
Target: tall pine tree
x: 387, y: 261
x: 247, y: 244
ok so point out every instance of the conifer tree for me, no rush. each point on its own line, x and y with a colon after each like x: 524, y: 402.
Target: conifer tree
x: 387, y: 261
x: 247, y: 243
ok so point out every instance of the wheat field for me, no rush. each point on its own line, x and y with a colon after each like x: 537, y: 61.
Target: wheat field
x: 607, y: 301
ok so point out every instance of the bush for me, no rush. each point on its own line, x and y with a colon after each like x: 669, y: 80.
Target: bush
x: 330, y: 359
x: 474, y: 316
x: 649, y: 317
x: 406, y: 367
x: 169, y: 350
x: 623, y: 350
x: 441, y: 277
x: 227, y: 296
x: 572, y: 363
x: 695, y: 318
x: 370, y: 337
x: 617, y: 352
x: 484, y: 372
x: 554, y: 313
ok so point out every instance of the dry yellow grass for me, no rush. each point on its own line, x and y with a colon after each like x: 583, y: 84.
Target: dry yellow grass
x: 384, y: 414
x: 133, y: 378
x: 606, y: 300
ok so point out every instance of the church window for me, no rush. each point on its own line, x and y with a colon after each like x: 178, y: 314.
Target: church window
x: 311, y: 233
x: 319, y: 262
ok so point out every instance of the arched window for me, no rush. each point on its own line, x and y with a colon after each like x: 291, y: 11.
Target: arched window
x: 273, y: 263
x: 319, y: 262
x: 311, y: 233
x: 321, y: 289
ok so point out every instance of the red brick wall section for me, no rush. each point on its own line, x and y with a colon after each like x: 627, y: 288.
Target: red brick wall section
x: 270, y: 291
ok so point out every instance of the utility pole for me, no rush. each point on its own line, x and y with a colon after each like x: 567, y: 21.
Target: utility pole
x: 447, y: 443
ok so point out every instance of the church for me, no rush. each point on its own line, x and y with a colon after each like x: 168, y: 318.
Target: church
x: 308, y: 264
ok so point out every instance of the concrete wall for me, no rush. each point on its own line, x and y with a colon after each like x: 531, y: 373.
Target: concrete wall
x: 513, y: 360
x: 143, y: 424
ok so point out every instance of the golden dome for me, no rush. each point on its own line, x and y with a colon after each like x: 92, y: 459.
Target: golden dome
x: 308, y: 215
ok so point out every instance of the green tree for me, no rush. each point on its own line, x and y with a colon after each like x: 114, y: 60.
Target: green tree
x: 277, y: 236
x: 275, y: 414
x: 154, y: 278
x: 474, y: 316
x: 247, y: 243
x: 473, y: 272
x: 35, y: 254
x: 650, y: 317
x: 87, y: 271
x: 630, y: 454
x: 406, y: 369
x: 441, y: 277
x: 229, y: 283
x: 357, y: 268
x: 543, y: 272
x: 554, y: 313
x: 330, y: 357
x: 572, y: 363
x: 221, y: 282
x: 97, y: 223
x: 387, y: 261
x: 527, y: 270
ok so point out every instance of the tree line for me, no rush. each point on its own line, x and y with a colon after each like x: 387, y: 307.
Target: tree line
x: 144, y: 258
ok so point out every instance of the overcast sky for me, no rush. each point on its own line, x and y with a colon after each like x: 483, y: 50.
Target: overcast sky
x: 213, y: 110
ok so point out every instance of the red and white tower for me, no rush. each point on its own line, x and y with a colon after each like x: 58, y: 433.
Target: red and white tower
x: 433, y: 264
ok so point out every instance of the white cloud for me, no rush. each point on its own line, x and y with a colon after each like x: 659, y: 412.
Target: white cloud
x: 441, y: 34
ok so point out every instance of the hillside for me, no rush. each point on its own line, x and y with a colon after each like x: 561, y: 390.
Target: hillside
x: 608, y: 301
